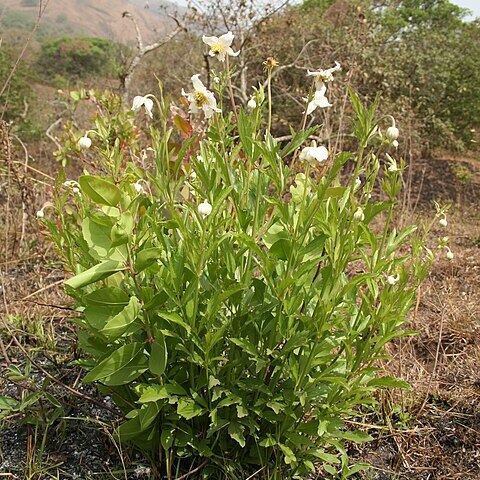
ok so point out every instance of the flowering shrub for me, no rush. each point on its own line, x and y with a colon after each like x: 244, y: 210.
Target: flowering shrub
x: 235, y: 292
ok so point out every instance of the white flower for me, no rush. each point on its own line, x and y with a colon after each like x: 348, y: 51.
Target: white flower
x: 216, y: 79
x: 205, y: 209
x: 201, y: 98
x: 139, y: 102
x: 314, y: 153
x: 319, y: 100
x: 443, y: 221
x: 84, y: 142
x: 139, y: 187
x: 41, y: 212
x: 359, y: 216
x: 322, y: 76
x: 221, y: 46
x: 252, y: 104
x: 73, y: 185
x: 395, y: 143
x: 449, y: 254
x: 392, y: 164
x: 392, y: 133
x: 393, y: 279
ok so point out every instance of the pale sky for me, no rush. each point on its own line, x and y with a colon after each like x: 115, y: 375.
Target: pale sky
x: 473, y: 5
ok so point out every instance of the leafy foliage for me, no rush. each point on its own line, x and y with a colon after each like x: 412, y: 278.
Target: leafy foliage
x: 236, y: 340
x: 78, y: 57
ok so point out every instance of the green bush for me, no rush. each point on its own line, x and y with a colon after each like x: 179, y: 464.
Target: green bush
x: 78, y: 57
x: 235, y: 295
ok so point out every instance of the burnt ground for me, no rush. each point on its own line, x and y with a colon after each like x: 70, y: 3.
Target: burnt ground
x: 431, y: 432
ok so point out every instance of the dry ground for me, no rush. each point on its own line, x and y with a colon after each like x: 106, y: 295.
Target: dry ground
x: 430, y: 432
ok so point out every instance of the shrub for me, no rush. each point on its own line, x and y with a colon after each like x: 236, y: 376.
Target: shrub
x: 78, y: 57
x: 235, y: 293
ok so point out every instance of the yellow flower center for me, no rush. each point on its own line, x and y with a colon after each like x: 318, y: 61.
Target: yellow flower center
x: 200, y: 99
x: 218, y: 49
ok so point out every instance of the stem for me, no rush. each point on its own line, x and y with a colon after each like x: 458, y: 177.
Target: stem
x: 230, y: 89
x: 269, y: 92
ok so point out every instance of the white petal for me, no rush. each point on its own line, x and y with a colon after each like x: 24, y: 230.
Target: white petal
x: 230, y: 51
x: 312, y: 106
x: 320, y: 90
x: 148, y: 102
x: 138, y: 101
x: 197, y: 83
x: 319, y: 153
x: 226, y: 39
x: 209, y: 40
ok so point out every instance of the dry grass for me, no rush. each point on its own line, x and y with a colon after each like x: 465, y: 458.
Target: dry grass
x: 430, y: 432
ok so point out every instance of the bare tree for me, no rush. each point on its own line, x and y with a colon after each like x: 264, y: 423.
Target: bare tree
x: 142, y: 50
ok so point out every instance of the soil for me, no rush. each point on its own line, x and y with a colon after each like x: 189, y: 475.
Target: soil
x: 431, y: 432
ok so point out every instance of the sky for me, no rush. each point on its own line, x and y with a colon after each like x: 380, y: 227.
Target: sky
x: 473, y: 5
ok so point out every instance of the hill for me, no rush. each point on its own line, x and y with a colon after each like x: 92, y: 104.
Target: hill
x: 101, y: 18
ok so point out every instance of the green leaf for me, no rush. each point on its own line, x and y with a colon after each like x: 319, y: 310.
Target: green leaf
x: 358, y: 437
x: 96, y: 273
x: 97, y: 237
x: 188, y: 408
x: 8, y: 403
x: 268, y: 442
x: 139, y: 423
x: 153, y: 393
x: 101, y: 191
x: 109, y: 297
x: 326, y: 457
x: 235, y: 430
x: 147, y: 257
x: 388, y: 382
x: 119, y: 323
x: 158, y: 355
x: 281, y: 249
x: 289, y: 456
x: 167, y: 437
x: 121, y: 367
x: 175, y: 318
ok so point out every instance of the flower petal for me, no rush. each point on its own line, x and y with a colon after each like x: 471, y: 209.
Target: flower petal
x: 148, y: 102
x: 226, y: 39
x: 209, y: 40
x: 138, y: 101
x: 198, y: 84
x: 230, y: 51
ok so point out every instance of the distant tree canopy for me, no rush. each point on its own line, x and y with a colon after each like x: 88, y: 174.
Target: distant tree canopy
x: 78, y: 57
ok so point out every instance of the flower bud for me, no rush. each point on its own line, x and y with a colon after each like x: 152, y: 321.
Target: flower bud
x: 449, y: 254
x: 139, y: 187
x: 443, y: 222
x: 392, y: 133
x: 393, y: 279
x: 252, y: 104
x: 357, y: 184
x: 40, y: 213
x: 205, y: 209
x: 359, y: 216
x: 84, y: 142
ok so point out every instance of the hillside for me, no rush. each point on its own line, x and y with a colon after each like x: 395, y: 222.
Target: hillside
x: 102, y: 18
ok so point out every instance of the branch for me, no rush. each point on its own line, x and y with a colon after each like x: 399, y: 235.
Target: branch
x: 50, y: 136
